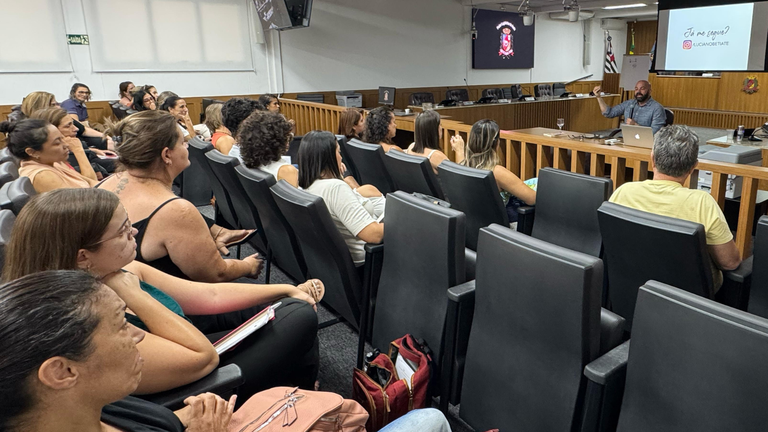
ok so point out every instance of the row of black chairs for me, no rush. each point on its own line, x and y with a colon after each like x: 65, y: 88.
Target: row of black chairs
x: 120, y: 111
x: 514, y: 91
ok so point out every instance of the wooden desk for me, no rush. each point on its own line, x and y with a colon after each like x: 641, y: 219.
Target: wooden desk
x: 580, y: 114
x: 724, y: 142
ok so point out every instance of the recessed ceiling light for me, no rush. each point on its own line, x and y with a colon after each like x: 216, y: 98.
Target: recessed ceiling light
x: 633, y: 5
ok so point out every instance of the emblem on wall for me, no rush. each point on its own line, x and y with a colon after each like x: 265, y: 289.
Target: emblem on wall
x: 750, y: 85
x: 507, y: 40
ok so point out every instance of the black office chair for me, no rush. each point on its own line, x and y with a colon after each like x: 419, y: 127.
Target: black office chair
x: 423, y: 258
x: 117, y: 112
x: 222, y: 381
x: 225, y: 213
x: 537, y: 323
x: 566, y: 209
x: 670, y: 117
x: 758, y: 295
x: 542, y: 90
x: 457, y: 95
x: 691, y: 365
x: 474, y: 192
x: 369, y: 162
x: 641, y: 246
x: 311, y: 97
x: 421, y: 98
x: 7, y: 156
x: 325, y: 252
x: 223, y: 168
x: 350, y: 164
x: 516, y: 91
x: 7, y: 218
x: 495, y: 93
x: 284, y: 250
x: 412, y: 174
x: 195, y: 180
x: 507, y: 92
x: 558, y: 89
x: 15, y: 194
x: 8, y: 172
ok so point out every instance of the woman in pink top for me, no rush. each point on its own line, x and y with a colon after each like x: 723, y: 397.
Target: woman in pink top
x: 43, y: 151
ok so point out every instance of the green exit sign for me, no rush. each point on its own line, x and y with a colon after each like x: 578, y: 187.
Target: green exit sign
x: 74, y: 39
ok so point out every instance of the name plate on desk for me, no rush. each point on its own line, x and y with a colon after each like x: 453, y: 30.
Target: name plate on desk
x: 530, y: 98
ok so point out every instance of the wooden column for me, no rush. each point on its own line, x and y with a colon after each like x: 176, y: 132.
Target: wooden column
x: 746, y: 217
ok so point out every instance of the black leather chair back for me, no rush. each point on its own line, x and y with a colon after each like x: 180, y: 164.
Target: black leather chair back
x: 15, y: 194
x: 423, y: 257
x: 670, y: 117
x: 7, y: 156
x: 325, y: 251
x: 507, y: 92
x: 420, y: 98
x: 694, y: 365
x: 412, y: 174
x: 558, y: 89
x: 351, y: 167
x: 543, y: 90
x: 641, y: 246
x: 458, y: 95
x: 280, y: 236
x: 7, y: 218
x: 495, y: 93
x: 369, y: 162
x: 474, y: 192
x: 536, y: 326
x: 118, y: 112
x: 8, y: 172
x: 196, y: 179
x: 311, y: 97
x: 566, y: 209
x: 197, y: 150
x: 758, y: 294
x: 516, y: 91
x: 223, y: 168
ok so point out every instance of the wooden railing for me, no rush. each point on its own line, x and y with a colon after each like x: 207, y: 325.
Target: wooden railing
x: 526, y: 153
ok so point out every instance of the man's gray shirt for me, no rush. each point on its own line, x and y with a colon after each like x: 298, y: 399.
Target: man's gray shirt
x: 651, y: 114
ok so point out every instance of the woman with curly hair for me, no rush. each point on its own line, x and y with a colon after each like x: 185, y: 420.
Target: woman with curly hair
x: 264, y: 138
x: 380, y: 128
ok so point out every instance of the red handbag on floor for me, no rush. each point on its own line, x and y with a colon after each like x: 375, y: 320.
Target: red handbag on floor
x: 383, y: 392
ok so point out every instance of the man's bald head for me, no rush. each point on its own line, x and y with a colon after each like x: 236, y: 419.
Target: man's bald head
x: 642, y: 91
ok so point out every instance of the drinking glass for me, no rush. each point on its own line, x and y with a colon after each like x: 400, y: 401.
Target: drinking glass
x: 560, y: 123
x: 729, y: 134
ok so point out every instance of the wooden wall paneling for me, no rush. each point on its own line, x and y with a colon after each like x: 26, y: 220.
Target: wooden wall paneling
x: 585, y: 116
x: 730, y: 96
x: 689, y: 92
x: 611, y: 82
x: 717, y: 119
x: 645, y: 36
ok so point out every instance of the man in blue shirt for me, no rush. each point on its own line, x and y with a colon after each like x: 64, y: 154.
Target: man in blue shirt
x: 75, y: 105
x: 643, y: 110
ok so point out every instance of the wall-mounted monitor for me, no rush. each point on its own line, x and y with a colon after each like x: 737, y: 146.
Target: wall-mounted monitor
x: 712, y: 36
x: 386, y: 95
x: 502, y: 42
x: 283, y: 14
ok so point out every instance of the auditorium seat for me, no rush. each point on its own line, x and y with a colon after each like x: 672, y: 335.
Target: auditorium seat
x: 670, y: 119
x: 8, y: 172
x: 641, y: 246
x: 758, y: 296
x: 458, y: 95
x: 224, y: 213
x: 15, y: 194
x: 223, y: 168
x: 516, y: 91
x: 495, y: 93
x: 311, y: 97
x: 117, y: 112
x: 348, y: 162
x: 195, y: 181
x: 412, y: 173
x: 543, y: 90
x: 558, y: 89
x: 283, y: 249
x: 369, y: 162
x: 423, y: 258
x: 474, y: 192
x: 420, y: 98
x: 7, y: 156
x: 7, y: 218
x: 325, y: 252
x: 537, y: 323
x: 566, y: 209
x: 223, y: 381
x: 691, y: 365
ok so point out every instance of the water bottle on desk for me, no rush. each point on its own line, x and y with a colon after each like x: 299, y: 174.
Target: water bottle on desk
x: 740, y: 133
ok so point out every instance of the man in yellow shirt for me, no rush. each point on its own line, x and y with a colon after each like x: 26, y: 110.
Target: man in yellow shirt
x: 673, y: 158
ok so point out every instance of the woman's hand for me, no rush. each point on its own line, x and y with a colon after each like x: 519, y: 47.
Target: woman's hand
x: 74, y: 145
x: 457, y: 143
x: 207, y: 413
x: 256, y: 264
x: 122, y: 283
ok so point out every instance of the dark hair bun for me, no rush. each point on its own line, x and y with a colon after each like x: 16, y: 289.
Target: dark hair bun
x: 7, y: 127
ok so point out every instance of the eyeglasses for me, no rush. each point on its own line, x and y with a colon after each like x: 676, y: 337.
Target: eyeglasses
x: 126, y: 228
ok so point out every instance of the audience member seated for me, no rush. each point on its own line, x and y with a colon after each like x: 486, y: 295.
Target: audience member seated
x: 31, y: 103
x: 160, y: 99
x: 482, y: 152
x: 234, y: 112
x: 86, y: 360
x: 126, y: 93
x: 65, y: 124
x: 356, y: 212
x: 380, y: 128
x: 264, y: 138
x: 143, y: 101
x: 352, y: 123
x: 43, y: 151
x: 221, y: 137
x: 270, y: 102
x: 673, y: 158
x: 149, y: 88
x: 176, y: 352
x: 173, y: 236
x: 643, y: 110
x: 178, y: 109
x: 427, y: 134
x: 75, y: 105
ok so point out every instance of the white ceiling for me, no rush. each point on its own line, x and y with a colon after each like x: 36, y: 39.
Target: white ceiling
x: 647, y: 12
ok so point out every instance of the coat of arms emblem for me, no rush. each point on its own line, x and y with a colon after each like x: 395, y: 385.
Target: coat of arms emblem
x: 750, y: 85
x: 507, y: 40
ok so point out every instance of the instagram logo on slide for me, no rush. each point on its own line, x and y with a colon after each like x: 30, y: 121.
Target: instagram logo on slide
x: 687, y: 45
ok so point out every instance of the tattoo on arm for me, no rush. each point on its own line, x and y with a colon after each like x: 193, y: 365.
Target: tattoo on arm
x: 121, y: 185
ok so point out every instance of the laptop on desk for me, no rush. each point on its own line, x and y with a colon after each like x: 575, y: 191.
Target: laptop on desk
x: 637, y: 136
